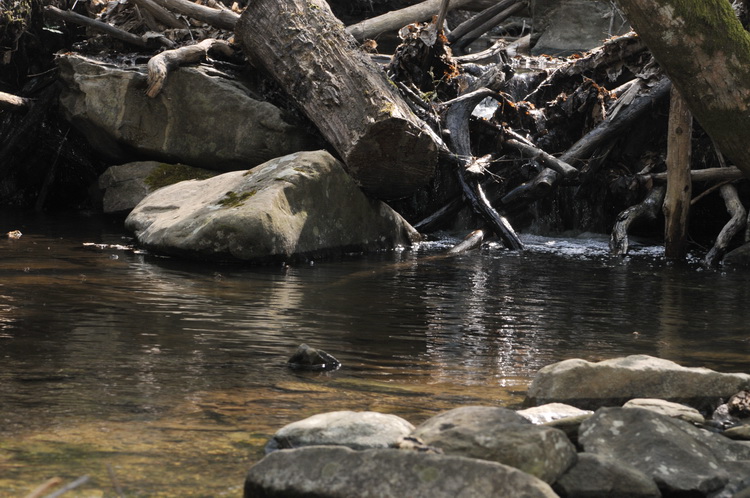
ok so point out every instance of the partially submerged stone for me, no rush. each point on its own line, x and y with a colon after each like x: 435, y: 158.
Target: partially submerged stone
x: 502, y: 436
x: 356, y: 430
x: 307, y: 358
x: 337, y: 472
x: 612, y: 382
x: 125, y: 185
x: 295, y: 207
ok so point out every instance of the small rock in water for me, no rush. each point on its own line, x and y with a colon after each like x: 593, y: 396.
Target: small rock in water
x: 307, y: 358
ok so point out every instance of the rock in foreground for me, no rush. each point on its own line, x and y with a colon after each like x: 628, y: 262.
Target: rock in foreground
x: 332, y: 472
x: 299, y: 206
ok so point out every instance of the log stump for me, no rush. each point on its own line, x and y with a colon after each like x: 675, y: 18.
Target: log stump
x: 300, y: 43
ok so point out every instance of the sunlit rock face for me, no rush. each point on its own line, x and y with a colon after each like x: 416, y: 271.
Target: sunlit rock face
x: 292, y: 208
x: 201, y: 118
x: 589, y: 385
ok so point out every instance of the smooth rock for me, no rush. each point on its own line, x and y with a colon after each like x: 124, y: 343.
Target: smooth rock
x: 679, y: 457
x: 126, y: 185
x: 597, y: 476
x: 299, y: 206
x: 356, y: 430
x: 676, y: 410
x: 590, y: 385
x: 202, y: 117
x: 739, y: 432
x: 551, y: 411
x: 565, y: 27
x: 336, y: 472
x: 502, y: 436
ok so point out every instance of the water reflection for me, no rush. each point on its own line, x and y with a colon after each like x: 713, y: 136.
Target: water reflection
x: 174, y: 374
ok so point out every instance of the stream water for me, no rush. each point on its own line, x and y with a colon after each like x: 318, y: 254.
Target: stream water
x: 166, y: 378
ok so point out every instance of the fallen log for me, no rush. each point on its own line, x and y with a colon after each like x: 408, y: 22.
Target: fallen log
x: 10, y: 102
x: 160, y: 14
x: 472, y: 241
x: 649, y: 209
x: 160, y: 64
x: 728, y: 174
x: 218, y: 18
x: 735, y: 224
x: 473, y: 31
x: 457, y: 122
x: 118, y: 34
x: 385, y: 147
x: 395, y: 20
x: 679, y: 187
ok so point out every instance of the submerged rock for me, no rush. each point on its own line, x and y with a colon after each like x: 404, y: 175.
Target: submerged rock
x: 295, y: 207
x: 307, y: 358
x: 502, y: 436
x: 336, y: 472
x: 221, y: 127
x: 356, y: 430
x: 590, y: 385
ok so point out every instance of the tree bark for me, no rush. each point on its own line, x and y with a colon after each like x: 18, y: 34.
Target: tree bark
x: 733, y: 227
x: 385, y: 147
x: 705, y: 51
x: 679, y: 186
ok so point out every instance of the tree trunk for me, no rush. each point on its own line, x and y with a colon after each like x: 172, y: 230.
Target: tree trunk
x: 706, y: 53
x: 679, y: 186
x: 385, y: 147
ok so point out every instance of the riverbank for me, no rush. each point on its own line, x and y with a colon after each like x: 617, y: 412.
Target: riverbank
x: 633, y: 445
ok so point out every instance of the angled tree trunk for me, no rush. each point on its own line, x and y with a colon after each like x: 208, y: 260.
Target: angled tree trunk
x: 386, y: 148
x: 706, y: 53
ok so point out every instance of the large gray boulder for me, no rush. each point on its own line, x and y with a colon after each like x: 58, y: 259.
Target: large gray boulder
x: 681, y: 458
x: 612, y: 382
x: 502, y: 436
x: 565, y: 27
x: 294, y: 207
x: 201, y: 118
x: 356, y: 430
x: 597, y: 476
x: 125, y: 185
x: 338, y: 472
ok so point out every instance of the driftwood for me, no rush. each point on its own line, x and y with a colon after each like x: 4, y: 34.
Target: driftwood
x: 457, y: 122
x: 10, y: 102
x: 728, y: 174
x: 218, y: 18
x: 649, y: 209
x: 679, y: 187
x: 385, y: 147
x: 470, y: 242
x: 467, y: 32
x: 394, y: 20
x: 119, y: 34
x: 606, y: 131
x: 160, y: 64
x: 736, y: 223
x: 160, y: 14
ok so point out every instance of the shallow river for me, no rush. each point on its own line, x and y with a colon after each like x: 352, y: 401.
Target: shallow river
x: 167, y: 378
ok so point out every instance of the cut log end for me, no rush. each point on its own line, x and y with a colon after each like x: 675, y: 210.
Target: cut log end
x: 393, y: 160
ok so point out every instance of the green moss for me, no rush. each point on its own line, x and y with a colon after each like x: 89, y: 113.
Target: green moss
x: 167, y: 174
x: 233, y: 199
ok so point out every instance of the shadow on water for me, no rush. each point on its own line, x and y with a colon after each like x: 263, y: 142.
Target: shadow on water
x: 172, y: 373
